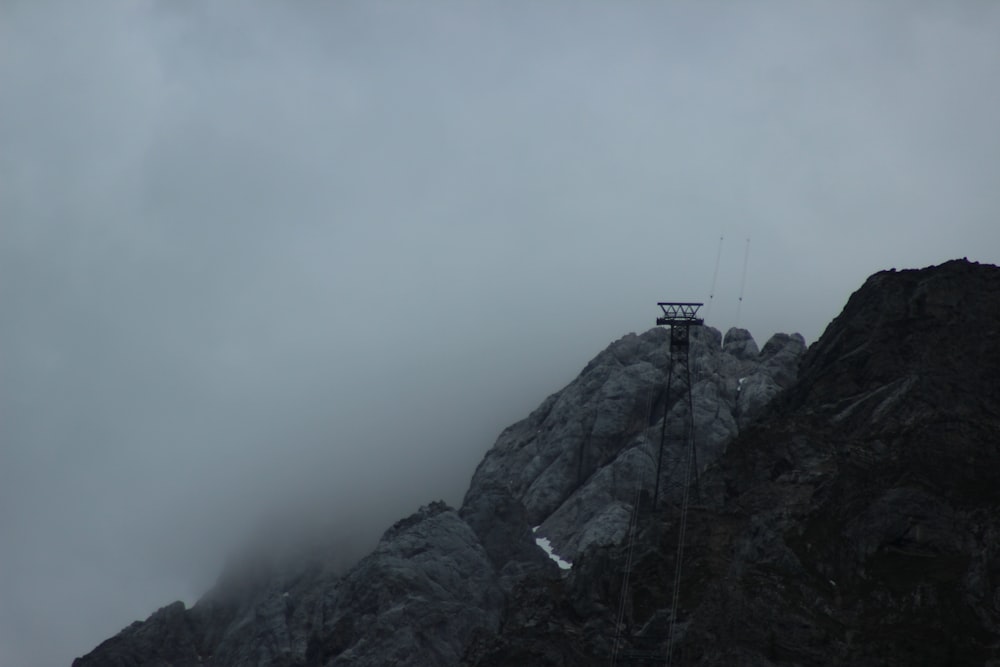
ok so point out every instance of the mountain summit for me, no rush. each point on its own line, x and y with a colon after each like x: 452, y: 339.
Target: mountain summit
x: 845, y: 513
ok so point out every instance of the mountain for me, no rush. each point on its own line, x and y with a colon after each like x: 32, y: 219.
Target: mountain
x: 844, y: 511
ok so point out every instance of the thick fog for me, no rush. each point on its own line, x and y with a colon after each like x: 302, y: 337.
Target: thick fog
x: 272, y: 265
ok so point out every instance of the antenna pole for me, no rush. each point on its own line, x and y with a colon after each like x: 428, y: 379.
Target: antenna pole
x: 743, y: 281
x: 715, y: 276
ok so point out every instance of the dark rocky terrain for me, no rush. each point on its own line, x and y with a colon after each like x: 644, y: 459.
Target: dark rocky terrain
x: 847, y: 511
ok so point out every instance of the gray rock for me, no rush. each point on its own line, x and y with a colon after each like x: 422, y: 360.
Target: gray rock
x: 501, y: 524
x: 544, y: 458
x: 575, y: 463
x: 441, y: 579
x: 418, y: 600
x: 598, y: 512
x: 740, y: 344
x: 781, y: 357
x: 852, y: 521
x: 165, y: 638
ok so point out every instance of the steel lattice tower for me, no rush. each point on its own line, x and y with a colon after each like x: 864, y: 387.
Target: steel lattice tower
x: 680, y: 317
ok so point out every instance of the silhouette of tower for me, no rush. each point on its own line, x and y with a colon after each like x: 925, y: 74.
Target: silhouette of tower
x: 680, y: 317
x: 645, y: 645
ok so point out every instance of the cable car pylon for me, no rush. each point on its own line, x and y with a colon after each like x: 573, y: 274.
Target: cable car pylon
x: 680, y: 317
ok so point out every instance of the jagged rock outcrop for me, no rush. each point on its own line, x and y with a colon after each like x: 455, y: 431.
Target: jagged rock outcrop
x: 857, y: 521
x: 442, y: 581
x: 867, y: 528
x: 576, y: 461
x: 419, y: 599
x: 847, y: 515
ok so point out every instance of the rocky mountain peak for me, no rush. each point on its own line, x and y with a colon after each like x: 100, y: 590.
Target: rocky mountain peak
x: 576, y: 461
x: 740, y: 344
x: 927, y: 323
x: 846, y: 514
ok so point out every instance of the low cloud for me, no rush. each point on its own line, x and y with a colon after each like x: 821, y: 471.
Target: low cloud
x: 307, y: 260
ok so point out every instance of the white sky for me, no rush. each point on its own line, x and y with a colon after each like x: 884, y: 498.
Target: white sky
x: 259, y: 257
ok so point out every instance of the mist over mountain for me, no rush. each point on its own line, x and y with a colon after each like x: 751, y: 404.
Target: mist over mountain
x: 845, y: 513
x: 277, y: 274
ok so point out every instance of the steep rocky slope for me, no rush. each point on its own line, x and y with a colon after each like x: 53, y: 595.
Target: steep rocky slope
x: 857, y: 522
x: 866, y: 508
x: 847, y: 514
x: 576, y: 461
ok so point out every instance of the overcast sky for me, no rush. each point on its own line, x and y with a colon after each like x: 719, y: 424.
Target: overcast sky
x: 257, y: 257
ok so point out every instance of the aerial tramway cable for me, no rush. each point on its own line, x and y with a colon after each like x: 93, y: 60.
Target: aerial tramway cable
x: 679, y: 560
x: 633, y: 526
x: 623, y: 594
x: 682, y: 525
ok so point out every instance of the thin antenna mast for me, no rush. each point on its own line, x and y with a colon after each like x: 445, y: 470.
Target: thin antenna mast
x: 715, y: 276
x: 743, y: 281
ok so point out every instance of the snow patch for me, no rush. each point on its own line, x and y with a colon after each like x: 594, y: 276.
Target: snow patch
x: 546, y: 546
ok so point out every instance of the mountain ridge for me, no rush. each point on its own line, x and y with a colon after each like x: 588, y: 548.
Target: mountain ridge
x: 823, y: 532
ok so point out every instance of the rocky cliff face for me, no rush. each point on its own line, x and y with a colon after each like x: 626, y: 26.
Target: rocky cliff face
x: 575, y: 463
x: 864, y: 509
x: 847, y: 514
x: 420, y: 598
